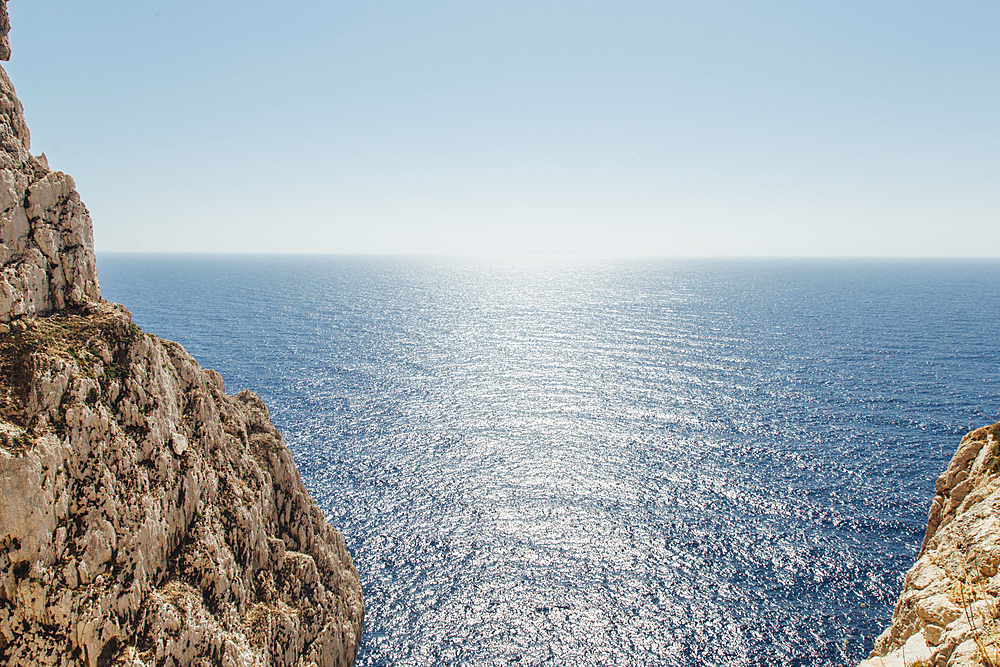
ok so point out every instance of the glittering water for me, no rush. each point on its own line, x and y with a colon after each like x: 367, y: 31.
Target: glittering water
x: 590, y: 462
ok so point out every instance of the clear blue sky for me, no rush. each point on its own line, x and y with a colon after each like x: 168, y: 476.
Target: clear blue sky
x: 661, y: 128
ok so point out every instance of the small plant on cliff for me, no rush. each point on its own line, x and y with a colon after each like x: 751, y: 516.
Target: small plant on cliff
x: 994, y: 445
x: 985, y: 632
x: 17, y: 444
x: 871, y: 638
x: 981, y: 611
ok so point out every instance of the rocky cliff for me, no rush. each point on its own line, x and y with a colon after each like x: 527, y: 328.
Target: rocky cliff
x: 947, y: 613
x: 146, y: 517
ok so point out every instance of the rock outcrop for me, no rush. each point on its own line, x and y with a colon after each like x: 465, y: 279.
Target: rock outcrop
x: 46, y: 236
x: 947, y: 613
x: 146, y: 517
x: 4, y: 31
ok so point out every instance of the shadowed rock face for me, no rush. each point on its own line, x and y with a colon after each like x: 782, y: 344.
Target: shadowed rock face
x: 947, y: 612
x: 146, y: 517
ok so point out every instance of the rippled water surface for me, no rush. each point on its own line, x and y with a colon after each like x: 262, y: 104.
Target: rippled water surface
x: 597, y: 462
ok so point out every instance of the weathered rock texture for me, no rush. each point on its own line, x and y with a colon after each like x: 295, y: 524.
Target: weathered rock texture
x: 947, y: 613
x: 46, y: 236
x: 146, y: 518
x: 4, y: 29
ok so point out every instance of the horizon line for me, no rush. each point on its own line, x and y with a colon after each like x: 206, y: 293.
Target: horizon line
x: 262, y: 253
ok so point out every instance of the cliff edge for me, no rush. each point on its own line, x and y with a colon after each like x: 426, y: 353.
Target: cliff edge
x: 146, y: 517
x: 947, y: 613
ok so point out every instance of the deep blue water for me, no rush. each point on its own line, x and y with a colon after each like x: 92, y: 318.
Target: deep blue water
x: 603, y: 462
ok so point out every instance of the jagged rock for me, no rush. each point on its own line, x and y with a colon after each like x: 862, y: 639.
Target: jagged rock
x: 46, y: 235
x: 4, y: 29
x: 146, y: 517
x: 947, y: 613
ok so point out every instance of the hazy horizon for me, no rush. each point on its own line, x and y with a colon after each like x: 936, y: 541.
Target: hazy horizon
x: 642, y: 129
x: 557, y: 256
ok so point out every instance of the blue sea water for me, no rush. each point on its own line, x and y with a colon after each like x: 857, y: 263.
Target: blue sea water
x: 550, y: 461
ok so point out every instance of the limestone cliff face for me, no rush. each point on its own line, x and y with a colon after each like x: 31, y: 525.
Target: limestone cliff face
x: 46, y: 236
x: 146, y: 517
x: 947, y: 613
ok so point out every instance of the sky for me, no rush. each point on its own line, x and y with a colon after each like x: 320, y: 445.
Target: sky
x: 596, y: 128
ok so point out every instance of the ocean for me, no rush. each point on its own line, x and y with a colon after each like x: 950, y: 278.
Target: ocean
x: 567, y: 461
